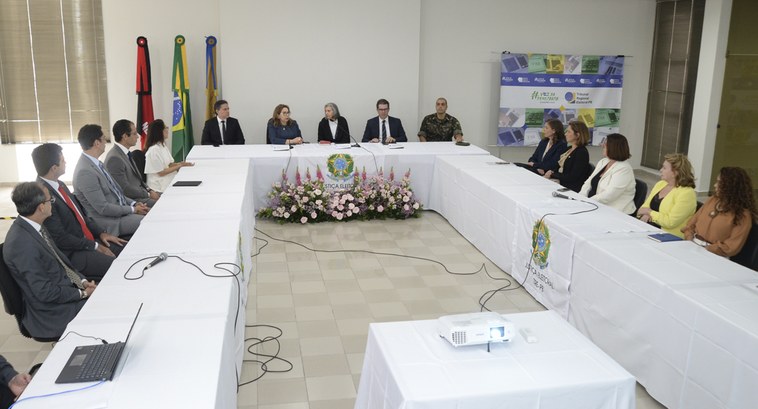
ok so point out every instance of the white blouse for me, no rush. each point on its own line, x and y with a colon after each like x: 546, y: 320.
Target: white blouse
x: 157, y: 159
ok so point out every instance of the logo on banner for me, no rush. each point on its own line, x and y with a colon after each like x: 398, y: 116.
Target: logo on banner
x: 540, y: 243
x: 548, y: 97
x: 340, y: 167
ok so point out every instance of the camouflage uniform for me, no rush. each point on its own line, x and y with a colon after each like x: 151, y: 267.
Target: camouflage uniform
x: 436, y: 130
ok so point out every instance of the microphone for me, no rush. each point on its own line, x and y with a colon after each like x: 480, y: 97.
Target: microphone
x: 161, y: 257
x: 355, y: 142
x: 562, y: 196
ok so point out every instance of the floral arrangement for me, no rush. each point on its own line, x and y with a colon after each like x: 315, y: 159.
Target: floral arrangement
x: 308, y: 201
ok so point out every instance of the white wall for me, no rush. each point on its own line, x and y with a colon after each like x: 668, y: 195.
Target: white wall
x: 306, y: 53
x: 462, y: 42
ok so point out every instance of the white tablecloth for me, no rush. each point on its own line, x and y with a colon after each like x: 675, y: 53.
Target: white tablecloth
x: 679, y: 318
x: 269, y: 161
x: 187, y: 346
x: 407, y: 365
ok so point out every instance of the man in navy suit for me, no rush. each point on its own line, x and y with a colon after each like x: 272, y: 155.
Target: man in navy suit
x: 384, y: 128
x: 223, y: 129
x: 88, y: 246
x: 53, y: 291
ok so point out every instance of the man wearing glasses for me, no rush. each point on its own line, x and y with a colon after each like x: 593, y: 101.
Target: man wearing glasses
x: 53, y: 291
x: 384, y: 128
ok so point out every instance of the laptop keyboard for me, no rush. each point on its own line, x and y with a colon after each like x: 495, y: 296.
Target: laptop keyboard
x: 99, y: 363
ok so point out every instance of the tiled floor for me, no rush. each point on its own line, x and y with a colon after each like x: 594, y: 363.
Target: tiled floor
x: 323, y: 302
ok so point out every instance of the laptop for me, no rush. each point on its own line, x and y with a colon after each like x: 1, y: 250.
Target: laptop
x: 91, y: 363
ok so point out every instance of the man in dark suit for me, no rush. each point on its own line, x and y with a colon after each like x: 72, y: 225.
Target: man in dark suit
x: 90, y: 249
x: 384, y: 128
x: 101, y: 197
x: 223, y: 129
x: 121, y: 166
x: 12, y: 383
x: 53, y: 291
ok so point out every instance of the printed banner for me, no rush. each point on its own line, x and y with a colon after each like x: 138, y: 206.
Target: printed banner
x: 535, y: 88
x: 543, y: 255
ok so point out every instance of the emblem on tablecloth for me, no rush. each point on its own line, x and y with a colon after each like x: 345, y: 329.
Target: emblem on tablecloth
x: 540, y: 243
x: 340, y: 166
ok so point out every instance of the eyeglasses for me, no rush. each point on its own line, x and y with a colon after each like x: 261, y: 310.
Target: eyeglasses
x: 52, y: 200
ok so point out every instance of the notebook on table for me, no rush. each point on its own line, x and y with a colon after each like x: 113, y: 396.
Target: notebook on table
x: 90, y: 363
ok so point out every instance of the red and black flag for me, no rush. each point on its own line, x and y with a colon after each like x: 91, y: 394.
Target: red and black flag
x: 144, y: 90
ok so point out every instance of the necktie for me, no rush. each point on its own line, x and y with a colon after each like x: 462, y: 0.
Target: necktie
x: 72, y: 275
x: 223, y: 132
x: 70, y: 204
x: 114, y: 187
x: 384, y: 130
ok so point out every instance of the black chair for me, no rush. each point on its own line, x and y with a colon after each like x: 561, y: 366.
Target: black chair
x: 268, y: 138
x: 640, y: 193
x: 13, y: 298
x: 139, y: 159
x: 748, y: 256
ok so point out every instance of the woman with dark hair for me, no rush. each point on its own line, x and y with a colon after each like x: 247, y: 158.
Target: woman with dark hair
x: 574, y: 164
x: 333, y: 127
x: 725, y: 220
x: 281, y: 129
x: 550, y: 148
x: 672, y: 201
x: 160, y: 167
x: 612, y: 182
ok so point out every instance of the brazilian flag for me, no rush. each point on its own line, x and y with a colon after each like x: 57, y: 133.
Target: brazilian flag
x: 181, y: 129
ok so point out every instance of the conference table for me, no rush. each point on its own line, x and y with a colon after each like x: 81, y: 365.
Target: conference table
x: 187, y: 345
x: 269, y: 161
x: 407, y: 365
x: 680, y: 319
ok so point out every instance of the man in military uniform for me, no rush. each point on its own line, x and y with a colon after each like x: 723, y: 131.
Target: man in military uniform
x: 440, y: 126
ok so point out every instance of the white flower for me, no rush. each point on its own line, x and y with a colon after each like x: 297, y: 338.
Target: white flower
x: 293, y: 209
x: 313, y: 215
x: 317, y: 192
x: 356, y: 210
x: 339, y: 216
x: 305, y: 199
x: 349, y: 213
x: 350, y: 206
x: 380, y: 208
x: 340, y: 207
x: 415, y: 205
x: 319, y: 202
x: 406, y: 199
x: 286, y: 215
x: 303, y: 220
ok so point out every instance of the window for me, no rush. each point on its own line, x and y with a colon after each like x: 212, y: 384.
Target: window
x: 52, y: 69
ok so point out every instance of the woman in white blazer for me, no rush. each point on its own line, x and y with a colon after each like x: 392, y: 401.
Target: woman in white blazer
x: 612, y: 182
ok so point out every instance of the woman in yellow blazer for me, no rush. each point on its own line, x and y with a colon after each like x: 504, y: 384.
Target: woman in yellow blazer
x: 673, y: 201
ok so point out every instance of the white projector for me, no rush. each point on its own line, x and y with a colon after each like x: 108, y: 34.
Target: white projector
x: 475, y: 329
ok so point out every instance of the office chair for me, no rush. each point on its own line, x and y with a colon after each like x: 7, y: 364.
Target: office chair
x: 640, y: 193
x: 139, y: 159
x: 748, y: 256
x: 13, y: 299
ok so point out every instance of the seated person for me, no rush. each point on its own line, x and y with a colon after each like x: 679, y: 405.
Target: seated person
x: 333, y: 127
x: 281, y: 129
x: 53, y: 291
x: 612, y: 183
x: 440, y: 126
x: 384, y: 128
x: 549, y: 150
x: 97, y: 191
x: 12, y: 383
x: 90, y: 249
x: 672, y: 201
x: 160, y: 167
x: 222, y: 129
x: 724, y: 222
x: 574, y: 164
x: 121, y: 166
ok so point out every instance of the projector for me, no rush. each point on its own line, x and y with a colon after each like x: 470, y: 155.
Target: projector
x: 475, y: 329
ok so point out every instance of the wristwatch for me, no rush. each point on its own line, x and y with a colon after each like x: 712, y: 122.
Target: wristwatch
x: 82, y: 294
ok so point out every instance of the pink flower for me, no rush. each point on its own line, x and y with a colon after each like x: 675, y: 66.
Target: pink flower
x: 356, y: 210
x: 392, y: 173
x: 308, y: 173
x: 380, y: 208
x: 406, y: 207
x: 350, y: 206
x: 298, y: 179
x: 319, y: 175
x: 293, y: 209
x: 303, y: 220
x: 339, y: 216
x: 313, y: 215
x: 349, y: 213
x: 408, y: 174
